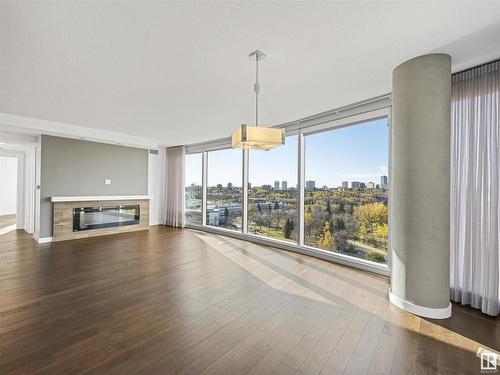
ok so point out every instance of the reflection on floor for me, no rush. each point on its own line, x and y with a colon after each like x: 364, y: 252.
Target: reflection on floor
x: 7, y: 223
x: 181, y: 301
x: 7, y: 220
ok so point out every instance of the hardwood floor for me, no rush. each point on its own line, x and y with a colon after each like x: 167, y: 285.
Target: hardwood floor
x: 180, y: 301
x: 7, y: 220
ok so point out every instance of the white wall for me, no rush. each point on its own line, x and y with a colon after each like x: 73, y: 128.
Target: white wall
x: 8, y: 185
x: 156, y: 185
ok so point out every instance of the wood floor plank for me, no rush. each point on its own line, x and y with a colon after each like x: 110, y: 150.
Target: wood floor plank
x: 175, y: 301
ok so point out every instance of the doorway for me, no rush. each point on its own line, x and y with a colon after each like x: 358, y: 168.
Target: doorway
x: 8, y: 193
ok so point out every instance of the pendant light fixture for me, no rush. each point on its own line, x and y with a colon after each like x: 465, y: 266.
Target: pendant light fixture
x: 255, y: 137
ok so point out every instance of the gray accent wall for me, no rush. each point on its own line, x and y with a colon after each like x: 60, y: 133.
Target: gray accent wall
x: 72, y: 167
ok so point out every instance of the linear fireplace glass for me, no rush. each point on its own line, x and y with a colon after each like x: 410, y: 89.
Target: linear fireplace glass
x: 86, y: 218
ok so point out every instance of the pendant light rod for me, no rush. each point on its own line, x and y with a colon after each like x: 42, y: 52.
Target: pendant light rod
x: 250, y: 137
x: 258, y: 55
x: 256, y: 88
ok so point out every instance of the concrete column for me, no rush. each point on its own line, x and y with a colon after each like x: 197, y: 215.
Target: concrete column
x: 420, y: 191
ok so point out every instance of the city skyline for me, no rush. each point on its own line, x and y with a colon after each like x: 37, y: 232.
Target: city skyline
x: 312, y: 184
x: 354, y: 153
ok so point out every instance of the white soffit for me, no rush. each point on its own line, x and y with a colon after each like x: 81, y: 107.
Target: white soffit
x: 178, y: 72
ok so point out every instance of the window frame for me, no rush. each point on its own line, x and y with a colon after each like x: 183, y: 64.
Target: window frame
x: 185, y: 208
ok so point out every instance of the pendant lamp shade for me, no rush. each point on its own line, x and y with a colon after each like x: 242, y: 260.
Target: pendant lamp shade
x: 253, y: 137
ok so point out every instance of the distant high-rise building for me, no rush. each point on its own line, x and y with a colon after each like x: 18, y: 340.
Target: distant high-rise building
x: 284, y: 185
x: 229, y: 185
x: 276, y: 185
x: 310, y: 185
x: 266, y: 187
x: 356, y: 185
x: 345, y: 184
x: 370, y: 185
x: 384, y: 182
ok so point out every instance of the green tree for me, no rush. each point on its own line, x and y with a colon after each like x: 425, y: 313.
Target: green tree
x: 328, y: 208
x: 375, y: 256
x: 287, y: 229
x: 338, y: 224
x: 276, y: 205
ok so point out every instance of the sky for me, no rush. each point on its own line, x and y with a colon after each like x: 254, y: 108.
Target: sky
x: 354, y: 153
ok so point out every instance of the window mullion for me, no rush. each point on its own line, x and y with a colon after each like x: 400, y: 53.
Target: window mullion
x: 204, y: 164
x: 244, y: 189
x: 300, y: 188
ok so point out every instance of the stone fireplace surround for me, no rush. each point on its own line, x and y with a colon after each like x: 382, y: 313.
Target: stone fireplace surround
x: 63, y: 215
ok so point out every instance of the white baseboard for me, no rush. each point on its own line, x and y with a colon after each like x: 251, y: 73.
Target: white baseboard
x: 43, y: 239
x: 426, y: 312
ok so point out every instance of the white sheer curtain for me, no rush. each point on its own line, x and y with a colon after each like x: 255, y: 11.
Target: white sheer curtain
x: 174, y: 186
x: 475, y: 188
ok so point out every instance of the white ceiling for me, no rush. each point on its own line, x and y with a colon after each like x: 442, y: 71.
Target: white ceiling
x: 178, y: 72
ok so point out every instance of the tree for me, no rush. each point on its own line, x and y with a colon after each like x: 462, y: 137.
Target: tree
x: 349, y: 209
x: 326, y: 240
x: 228, y: 217
x: 328, y: 208
x: 259, y: 208
x: 341, y: 207
x: 340, y: 242
x: 375, y: 256
x: 381, y: 234
x: 372, y: 216
x: 276, y: 205
x: 338, y: 224
x: 287, y: 229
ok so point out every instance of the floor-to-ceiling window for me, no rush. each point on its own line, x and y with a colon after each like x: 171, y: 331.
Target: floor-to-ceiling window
x: 272, y: 192
x: 326, y: 189
x: 346, y: 190
x: 193, y: 188
x: 224, y: 193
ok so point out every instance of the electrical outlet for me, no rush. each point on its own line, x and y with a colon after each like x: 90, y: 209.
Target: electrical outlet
x: 107, y: 181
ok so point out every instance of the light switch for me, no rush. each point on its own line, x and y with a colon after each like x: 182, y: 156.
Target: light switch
x: 107, y: 181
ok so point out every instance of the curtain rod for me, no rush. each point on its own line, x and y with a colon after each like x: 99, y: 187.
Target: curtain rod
x: 478, y: 66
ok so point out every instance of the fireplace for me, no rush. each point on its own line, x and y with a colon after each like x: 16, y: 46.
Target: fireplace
x: 85, y: 218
